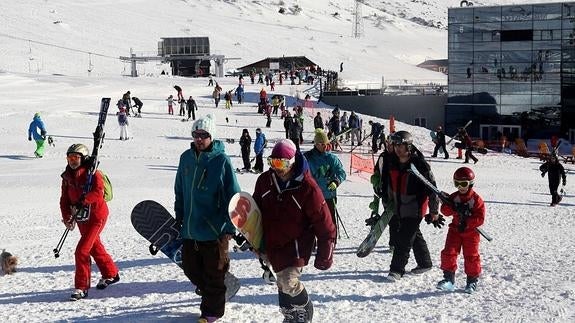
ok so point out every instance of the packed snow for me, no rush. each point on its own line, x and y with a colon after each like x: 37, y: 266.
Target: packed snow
x: 528, y: 273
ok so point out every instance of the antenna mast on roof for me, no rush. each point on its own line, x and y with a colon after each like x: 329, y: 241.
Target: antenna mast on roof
x: 357, y: 20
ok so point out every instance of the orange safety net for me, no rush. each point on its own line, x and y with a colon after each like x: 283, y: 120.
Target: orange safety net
x: 361, y: 163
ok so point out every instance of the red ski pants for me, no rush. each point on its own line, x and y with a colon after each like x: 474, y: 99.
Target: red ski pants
x: 456, y: 241
x: 90, y: 245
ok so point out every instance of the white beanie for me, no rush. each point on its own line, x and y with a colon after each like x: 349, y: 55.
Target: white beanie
x: 207, y: 123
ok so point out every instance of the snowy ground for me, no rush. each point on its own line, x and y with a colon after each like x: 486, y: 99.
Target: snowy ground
x: 528, y: 273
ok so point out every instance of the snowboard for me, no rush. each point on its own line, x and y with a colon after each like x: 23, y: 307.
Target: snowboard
x: 368, y: 244
x: 156, y: 224
x: 247, y: 218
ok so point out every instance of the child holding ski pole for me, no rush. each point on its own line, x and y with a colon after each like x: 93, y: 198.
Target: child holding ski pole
x: 468, y: 211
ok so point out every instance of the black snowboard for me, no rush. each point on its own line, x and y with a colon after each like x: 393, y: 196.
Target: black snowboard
x: 156, y: 224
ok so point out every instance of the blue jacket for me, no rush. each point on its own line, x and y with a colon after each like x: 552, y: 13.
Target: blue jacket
x: 36, y: 124
x: 325, y: 168
x: 259, y: 143
x: 205, y: 183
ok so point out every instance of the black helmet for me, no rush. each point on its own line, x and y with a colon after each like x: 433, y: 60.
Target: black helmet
x: 80, y: 149
x: 402, y: 137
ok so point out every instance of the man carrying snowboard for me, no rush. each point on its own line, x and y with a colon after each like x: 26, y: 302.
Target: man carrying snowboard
x: 294, y: 214
x: 205, y: 183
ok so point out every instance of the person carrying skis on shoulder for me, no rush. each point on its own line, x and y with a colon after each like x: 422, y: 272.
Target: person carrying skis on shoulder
x: 411, y: 199
x: 555, y: 172
x: 294, y: 216
x: 327, y: 171
x: 37, y: 131
x: 468, y: 211
x: 205, y: 183
x: 72, y: 200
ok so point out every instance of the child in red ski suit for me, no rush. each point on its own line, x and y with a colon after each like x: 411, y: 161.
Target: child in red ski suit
x: 462, y: 234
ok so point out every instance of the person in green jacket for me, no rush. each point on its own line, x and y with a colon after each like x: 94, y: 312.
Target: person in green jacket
x: 205, y: 183
x: 326, y: 169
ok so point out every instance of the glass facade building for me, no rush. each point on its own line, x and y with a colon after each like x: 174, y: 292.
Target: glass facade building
x: 512, y: 70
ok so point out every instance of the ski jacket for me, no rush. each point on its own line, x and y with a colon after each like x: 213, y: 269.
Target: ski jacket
x: 353, y: 121
x: 376, y: 129
x: 122, y: 119
x: 294, y: 214
x: 295, y: 128
x: 411, y: 196
x: 555, y: 171
x: 343, y: 121
x: 317, y: 122
x: 137, y: 101
x: 259, y: 143
x: 474, y: 203
x: 287, y: 121
x: 325, y: 168
x: 205, y: 183
x: 35, y: 125
x: 73, y: 182
x: 440, y: 135
x: 334, y: 125
x: 245, y: 143
x: 191, y: 104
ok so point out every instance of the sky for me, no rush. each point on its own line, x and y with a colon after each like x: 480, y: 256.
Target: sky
x: 527, y: 268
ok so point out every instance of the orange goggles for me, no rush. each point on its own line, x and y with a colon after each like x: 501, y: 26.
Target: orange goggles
x: 280, y: 163
x: 462, y: 184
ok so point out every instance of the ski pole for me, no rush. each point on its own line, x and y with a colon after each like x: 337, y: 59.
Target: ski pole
x: 338, y: 220
x: 60, y: 243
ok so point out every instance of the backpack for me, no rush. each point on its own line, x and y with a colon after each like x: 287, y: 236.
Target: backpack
x: 108, y: 191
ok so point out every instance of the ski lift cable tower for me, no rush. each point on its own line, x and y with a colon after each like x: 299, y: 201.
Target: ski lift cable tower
x: 357, y: 20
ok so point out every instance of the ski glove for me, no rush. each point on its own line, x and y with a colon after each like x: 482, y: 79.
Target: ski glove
x: 542, y: 174
x: 332, y: 186
x: 324, y: 256
x: 438, y: 223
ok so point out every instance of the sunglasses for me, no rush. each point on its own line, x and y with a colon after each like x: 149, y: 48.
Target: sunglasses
x: 280, y: 163
x: 200, y: 135
x: 462, y: 184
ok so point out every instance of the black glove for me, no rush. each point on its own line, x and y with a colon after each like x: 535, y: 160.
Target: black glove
x: 372, y: 220
x: 542, y: 174
x: 29, y: 138
x: 437, y: 223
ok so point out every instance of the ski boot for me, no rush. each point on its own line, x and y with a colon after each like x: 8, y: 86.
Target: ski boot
x: 471, y: 285
x: 448, y: 282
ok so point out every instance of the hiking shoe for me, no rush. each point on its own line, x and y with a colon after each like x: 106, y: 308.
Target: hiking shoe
x: 105, y: 282
x: 393, y: 277
x: 78, y: 294
x: 446, y: 285
x: 471, y: 287
x: 420, y: 270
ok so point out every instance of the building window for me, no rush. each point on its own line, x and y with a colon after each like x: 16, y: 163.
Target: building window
x: 517, y: 35
x: 422, y: 122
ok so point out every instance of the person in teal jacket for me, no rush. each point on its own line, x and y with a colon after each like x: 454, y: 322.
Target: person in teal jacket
x: 37, y: 130
x: 326, y: 169
x: 205, y: 183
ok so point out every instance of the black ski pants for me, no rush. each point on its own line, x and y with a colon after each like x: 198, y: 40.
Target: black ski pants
x: 205, y: 264
x: 259, y: 166
x: 438, y: 146
x: 409, y: 236
x: 246, y: 158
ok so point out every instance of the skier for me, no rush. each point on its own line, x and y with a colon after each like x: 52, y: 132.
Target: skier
x: 138, y: 104
x: 37, y: 130
x: 245, y: 144
x: 287, y: 122
x: 376, y: 135
x: 90, y: 245
x: 127, y: 102
x: 228, y: 99
x: 201, y: 205
x: 170, y: 100
x: 288, y: 188
x: 353, y: 123
x: 192, y: 108
x: 410, y: 198
x: 216, y: 96
x: 555, y: 170
x: 468, y: 144
x: 182, y: 103
x: 468, y: 214
x: 259, y: 145
x: 327, y: 171
x: 123, y: 123
x: 240, y: 94
x: 318, y: 121
x: 440, y: 143
x: 295, y: 128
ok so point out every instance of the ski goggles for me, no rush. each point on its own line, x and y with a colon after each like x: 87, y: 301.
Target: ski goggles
x: 280, y: 163
x: 200, y: 135
x: 462, y: 184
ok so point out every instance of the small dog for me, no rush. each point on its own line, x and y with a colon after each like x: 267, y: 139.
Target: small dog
x: 9, y: 262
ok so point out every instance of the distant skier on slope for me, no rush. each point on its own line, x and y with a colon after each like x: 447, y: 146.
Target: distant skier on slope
x: 555, y: 172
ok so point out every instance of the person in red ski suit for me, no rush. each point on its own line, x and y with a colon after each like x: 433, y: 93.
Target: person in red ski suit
x: 462, y: 234
x: 71, y: 200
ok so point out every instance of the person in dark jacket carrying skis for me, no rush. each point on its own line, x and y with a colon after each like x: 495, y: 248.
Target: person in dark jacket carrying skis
x: 555, y: 172
x: 294, y: 215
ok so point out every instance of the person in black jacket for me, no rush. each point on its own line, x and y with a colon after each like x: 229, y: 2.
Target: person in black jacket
x: 245, y: 144
x: 138, y: 104
x: 192, y: 107
x: 440, y: 143
x: 318, y: 121
x: 555, y: 170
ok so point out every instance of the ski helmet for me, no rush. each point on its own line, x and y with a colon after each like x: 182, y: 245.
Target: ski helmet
x: 80, y: 149
x: 402, y: 137
x: 464, y: 174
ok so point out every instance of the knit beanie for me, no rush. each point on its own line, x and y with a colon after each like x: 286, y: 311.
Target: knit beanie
x: 284, y: 148
x: 320, y: 137
x: 207, y: 123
